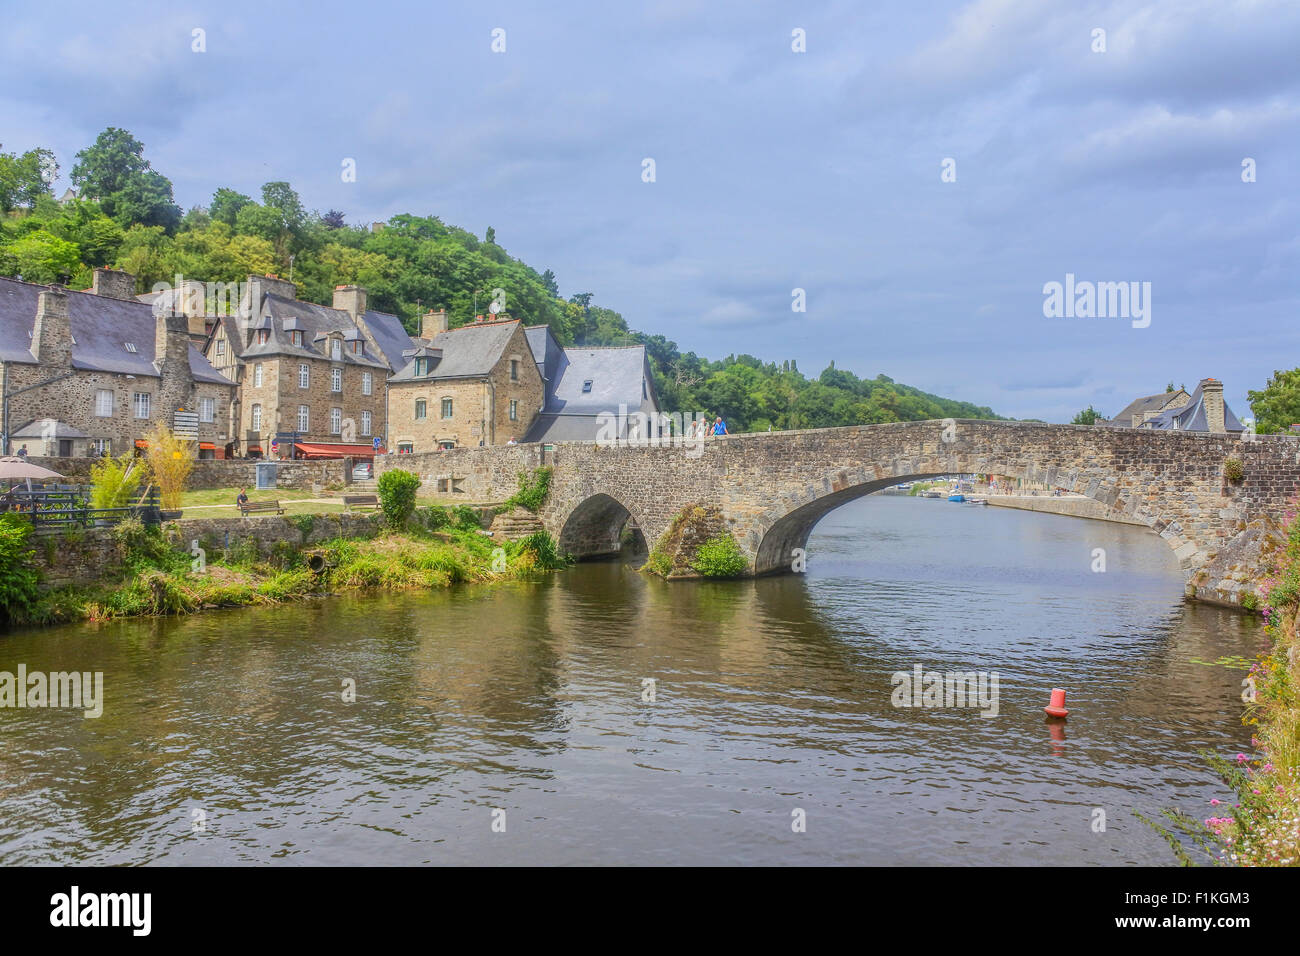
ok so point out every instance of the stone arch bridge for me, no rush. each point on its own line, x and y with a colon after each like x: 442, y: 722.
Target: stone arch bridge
x: 773, y: 487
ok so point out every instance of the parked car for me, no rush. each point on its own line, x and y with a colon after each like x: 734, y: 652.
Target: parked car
x: 363, y: 470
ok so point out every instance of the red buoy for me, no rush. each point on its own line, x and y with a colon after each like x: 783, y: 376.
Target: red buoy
x: 1056, y: 707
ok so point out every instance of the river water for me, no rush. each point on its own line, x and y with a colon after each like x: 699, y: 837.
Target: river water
x: 225, y: 738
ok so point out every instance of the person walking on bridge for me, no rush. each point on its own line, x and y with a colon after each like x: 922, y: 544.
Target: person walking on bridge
x: 719, y: 427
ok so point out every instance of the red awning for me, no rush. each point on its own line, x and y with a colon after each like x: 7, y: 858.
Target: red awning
x: 141, y: 443
x: 335, y: 450
x: 256, y: 448
x: 207, y: 446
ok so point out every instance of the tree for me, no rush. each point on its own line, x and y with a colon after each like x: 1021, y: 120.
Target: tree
x: 332, y: 219
x: 26, y: 178
x: 1278, y: 405
x: 490, y: 237
x: 1088, y: 416
x: 114, y: 171
x: 280, y: 197
x: 226, y: 204
x: 41, y: 257
x: 548, y: 280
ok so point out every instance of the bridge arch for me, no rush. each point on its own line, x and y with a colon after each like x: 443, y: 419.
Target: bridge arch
x: 772, y: 537
x: 594, y: 526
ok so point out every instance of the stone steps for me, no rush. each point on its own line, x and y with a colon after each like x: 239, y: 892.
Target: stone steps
x: 515, y: 524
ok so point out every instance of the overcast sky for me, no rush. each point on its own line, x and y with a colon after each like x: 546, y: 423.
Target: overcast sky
x: 774, y: 169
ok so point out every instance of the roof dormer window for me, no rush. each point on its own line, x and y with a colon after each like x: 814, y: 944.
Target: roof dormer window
x: 129, y: 346
x: 295, y: 337
x: 263, y: 336
x: 336, y: 348
x: 586, y: 386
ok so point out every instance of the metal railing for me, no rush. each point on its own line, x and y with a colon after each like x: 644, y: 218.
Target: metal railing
x: 53, y: 507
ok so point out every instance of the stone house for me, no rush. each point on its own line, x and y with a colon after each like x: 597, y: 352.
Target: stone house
x: 1204, y: 410
x: 94, y: 371
x: 475, y: 385
x: 311, y: 377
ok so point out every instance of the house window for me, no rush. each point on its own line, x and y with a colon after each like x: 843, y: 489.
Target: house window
x: 336, y: 378
x: 221, y: 346
x: 358, y: 347
x: 336, y: 349
x: 514, y: 370
x: 586, y: 386
x: 104, y: 403
x: 446, y: 408
x: 420, y: 409
x: 257, y: 418
x: 263, y: 336
x: 304, y: 376
x: 444, y: 445
x: 129, y: 346
x: 207, y: 409
x: 405, y: 448
x: 257, y: 375
x: 365, y: 383
x: 304, y: 418
x: 336, y: 420
x: 102, y: 446
x: 421, y: 366
x: 142, y: 404
x: 514, y: 410
x: 365, y: 424
x: 295, y: 337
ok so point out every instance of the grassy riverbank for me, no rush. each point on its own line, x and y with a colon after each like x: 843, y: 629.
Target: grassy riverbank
x: 437, y: 548
x: 1262, y: 826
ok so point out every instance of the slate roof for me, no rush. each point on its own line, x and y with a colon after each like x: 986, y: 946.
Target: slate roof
x: 618, y: 376
x: 547, y: 353
x: 1140, y: 406
x: 281, y: 315
x: 100, y: 327
x: 1191, y: 417
x: 36, y: 428
x: 471, y: 351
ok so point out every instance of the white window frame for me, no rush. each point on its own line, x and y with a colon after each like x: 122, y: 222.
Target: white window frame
x: 255, y: 417
x: 336, y: 421
x: 366, y: 380
x: 142, y: 400
x: 448, y: 408
x: 336, y: 348
x: 336, y: 379
x: 304, y: 418
x: 207, y: 409
x: 99, y: 403
x: 304, y: 375
x: 257, y: 375
x: 421, y: 411
x: 365, y: 424
x: 514, y: 409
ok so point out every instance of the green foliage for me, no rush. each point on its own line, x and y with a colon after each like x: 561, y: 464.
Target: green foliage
x: 397, y: 496
x: 143, y: 547
x: 1234, y: 471
x: 436, y: 518
x: 466, y: 518
x: 532, y: 490
x: 304, y: 524
x: 658, y: 563
x: 25, y: 179
x: 1277, y: 406
x: 114, y: 171
x: 18, y: 578
x: 720, y: 557
x: 546, y: 554
x: 113, y: 482
x: 1088, y: 416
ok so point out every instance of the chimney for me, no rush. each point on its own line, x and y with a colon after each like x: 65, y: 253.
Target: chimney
x: 350, y: 299
x: 258, y: 288
x: 1212, y: 399
x: 52, y: 333
x: 113, y: 284
x: 432, y: 323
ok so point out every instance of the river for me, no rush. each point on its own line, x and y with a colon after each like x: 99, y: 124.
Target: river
x: 225, y: 737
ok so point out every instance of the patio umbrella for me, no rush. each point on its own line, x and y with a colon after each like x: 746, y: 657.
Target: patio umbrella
x: 15, y: 467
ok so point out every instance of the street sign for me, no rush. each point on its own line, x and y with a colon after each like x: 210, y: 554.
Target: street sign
x: 376, y: 444
x: 185, y: 425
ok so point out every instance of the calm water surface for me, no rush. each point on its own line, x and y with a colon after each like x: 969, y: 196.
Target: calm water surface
x: 771, y: 695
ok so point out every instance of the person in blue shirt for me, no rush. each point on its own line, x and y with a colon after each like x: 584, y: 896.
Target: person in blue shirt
x: 719, y: 426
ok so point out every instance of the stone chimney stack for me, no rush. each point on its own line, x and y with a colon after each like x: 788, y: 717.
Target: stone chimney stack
x: 1212, y: 397
x: 433, y: 323
x: 258, y: 288
x: 171, y: 341
x: 350, y: 299
x: 52, y: 333
x: 113, y: 284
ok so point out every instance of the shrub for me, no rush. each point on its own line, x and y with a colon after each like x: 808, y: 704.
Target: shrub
x: 142, y: 548
x: 532, y: 491
x: 113, y: 482
x: 171, y: 460
x: 1234, y: 471
x: 397, y: 496
x: 18, y: 578
x: 466, y: 518
x: 720, y: 557
x: 543, y: 549
x: 436, y: 518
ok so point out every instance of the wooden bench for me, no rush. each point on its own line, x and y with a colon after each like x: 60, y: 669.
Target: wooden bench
x: 360, y: 501
x: 248, y: 507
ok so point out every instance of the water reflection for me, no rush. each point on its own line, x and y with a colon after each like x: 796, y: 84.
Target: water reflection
x: 771, y: 695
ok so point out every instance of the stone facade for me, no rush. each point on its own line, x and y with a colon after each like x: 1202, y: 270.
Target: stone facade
x: 772, y: 488
x: 112, y: 409
x: 231, y: 473
x: 481, y: 406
